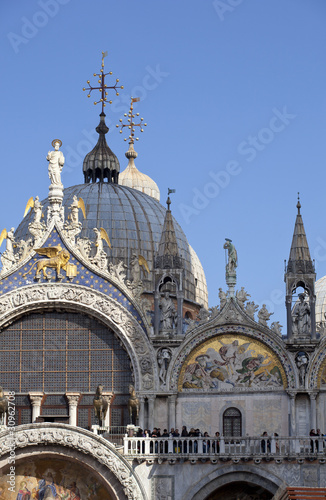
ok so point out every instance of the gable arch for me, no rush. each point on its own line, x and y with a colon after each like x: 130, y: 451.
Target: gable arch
x: 316, y: 371
x: 196, y: 344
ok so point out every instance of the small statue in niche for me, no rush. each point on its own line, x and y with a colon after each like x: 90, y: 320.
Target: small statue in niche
x: 302, y: 361
x: 163, y: 359
x: 168, y: 312
x: 301, y: 320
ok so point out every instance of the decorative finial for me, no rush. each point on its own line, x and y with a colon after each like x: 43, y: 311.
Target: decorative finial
x: 131, y: 124
x: 103, y: 86
x: 298, y: 204
x: 168, y: 201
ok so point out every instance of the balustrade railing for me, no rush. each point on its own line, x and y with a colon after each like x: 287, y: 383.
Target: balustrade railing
x: 241, y: 447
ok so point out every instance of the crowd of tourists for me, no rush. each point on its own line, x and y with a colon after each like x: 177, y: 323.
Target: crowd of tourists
x: 182, y: 445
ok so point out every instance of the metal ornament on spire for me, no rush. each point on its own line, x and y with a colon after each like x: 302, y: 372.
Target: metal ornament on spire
x: 103, y: 88
x: 298, y: 204
x: 131, y: 124
x: 168, y: 201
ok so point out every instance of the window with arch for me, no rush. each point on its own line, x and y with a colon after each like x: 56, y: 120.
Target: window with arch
x: 58, y: 352
x: 232, y: 422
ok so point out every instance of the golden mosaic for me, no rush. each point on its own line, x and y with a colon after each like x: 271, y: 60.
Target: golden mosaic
x: 229, y: 362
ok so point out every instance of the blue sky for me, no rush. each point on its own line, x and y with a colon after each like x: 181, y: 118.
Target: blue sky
x: 233, y: 92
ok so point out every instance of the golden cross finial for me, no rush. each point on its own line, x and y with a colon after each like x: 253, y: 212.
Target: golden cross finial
x: 103, y: 86
x: 131, y: 124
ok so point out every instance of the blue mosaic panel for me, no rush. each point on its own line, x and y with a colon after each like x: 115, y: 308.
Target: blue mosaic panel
x: 26, y: 275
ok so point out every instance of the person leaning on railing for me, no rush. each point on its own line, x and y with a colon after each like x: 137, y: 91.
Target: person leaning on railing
x: 216, y: 443
x: 206, y: 443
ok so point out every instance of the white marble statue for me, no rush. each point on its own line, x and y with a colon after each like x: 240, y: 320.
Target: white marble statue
x: 56, y: 161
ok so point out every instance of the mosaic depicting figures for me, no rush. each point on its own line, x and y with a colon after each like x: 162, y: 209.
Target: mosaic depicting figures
x: 322, y: 375
x: 53, y: 479
x: 228, y: 362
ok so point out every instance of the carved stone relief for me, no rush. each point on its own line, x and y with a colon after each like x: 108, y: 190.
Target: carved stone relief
x: 80, y: 440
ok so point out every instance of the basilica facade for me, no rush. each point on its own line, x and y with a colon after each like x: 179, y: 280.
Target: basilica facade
x: 105, y: 332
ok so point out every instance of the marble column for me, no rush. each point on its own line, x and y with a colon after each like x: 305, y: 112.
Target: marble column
x: 172, y: 417
x: 151, y: 411
x: 36, y: 400
x: 292, y: 412
x: 108, y: 397
x: 313, y: 410
x: 141, y: 412
x: 73, y: 400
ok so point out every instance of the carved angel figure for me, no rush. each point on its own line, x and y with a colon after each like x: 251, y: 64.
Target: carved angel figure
x: 136, y: 263
x: 8, y: 257
x: 56, y: 258
x: 9, y: 236
x: 74, y: 209
x: 36, y: 206
x: 100, y: 259
x: 101, y: 235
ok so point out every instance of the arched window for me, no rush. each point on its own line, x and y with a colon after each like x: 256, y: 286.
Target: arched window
x: 232, y: 424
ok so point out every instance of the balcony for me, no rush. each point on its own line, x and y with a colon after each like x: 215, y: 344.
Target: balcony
x: 246, y: 448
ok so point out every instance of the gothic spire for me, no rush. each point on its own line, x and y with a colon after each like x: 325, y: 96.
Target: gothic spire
x: 299, y: 259
x: 168, y: 252
x: 101, y: 164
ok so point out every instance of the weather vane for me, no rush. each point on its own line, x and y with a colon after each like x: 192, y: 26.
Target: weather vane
x: 131, y: 124
x: 168, y: 201
x: 103, y: 86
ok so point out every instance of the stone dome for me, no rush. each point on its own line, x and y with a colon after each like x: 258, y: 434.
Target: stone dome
x: 135, y: 179
x: 134, y: 222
